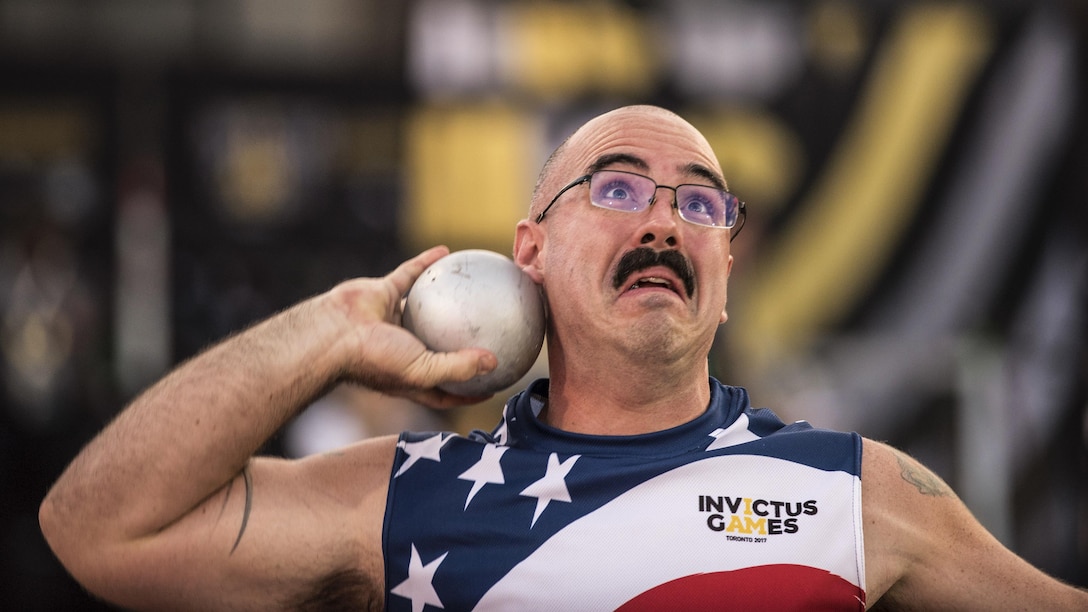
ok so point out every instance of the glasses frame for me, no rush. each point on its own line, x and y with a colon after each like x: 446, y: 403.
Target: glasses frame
x: 742, y: 212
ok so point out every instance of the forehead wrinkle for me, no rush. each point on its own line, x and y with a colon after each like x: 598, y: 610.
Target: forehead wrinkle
x: 690, y: 169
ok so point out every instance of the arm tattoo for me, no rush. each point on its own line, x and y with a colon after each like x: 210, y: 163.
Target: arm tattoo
x: 249, y: 504
x: 927, y: 482
x: 226, y: 498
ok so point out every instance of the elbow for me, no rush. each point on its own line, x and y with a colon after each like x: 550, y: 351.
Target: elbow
x: 59, y: 539
x: 66, y: 539
x: 90, y: 552
x: 48, y: 521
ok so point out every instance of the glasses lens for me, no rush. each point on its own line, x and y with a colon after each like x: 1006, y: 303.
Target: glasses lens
x: 703, y: 205
x: 619, y: 190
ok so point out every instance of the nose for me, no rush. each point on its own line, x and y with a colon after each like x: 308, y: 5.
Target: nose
x: 660, y: 227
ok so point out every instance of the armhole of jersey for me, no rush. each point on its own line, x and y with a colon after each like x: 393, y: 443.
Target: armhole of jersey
x: 859, y: 530
x: 387, y: 521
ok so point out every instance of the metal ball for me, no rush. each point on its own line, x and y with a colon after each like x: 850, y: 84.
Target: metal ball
x: 478, y: 299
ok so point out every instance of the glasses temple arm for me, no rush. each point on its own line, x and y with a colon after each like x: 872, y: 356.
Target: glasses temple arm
x: 742, y: 215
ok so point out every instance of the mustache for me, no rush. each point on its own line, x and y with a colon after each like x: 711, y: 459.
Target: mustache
x: 645, y: 257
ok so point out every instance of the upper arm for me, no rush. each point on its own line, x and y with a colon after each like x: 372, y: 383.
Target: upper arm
x: 266, y: 539
x: 925, y: 550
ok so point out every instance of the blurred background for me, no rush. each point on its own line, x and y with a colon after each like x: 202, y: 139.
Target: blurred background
x: 914, y: 266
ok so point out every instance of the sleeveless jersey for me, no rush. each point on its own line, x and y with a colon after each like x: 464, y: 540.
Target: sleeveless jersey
x: 733, y: 510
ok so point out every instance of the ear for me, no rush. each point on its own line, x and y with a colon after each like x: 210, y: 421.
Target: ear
x: 529, y: 249
x: 728, y: 268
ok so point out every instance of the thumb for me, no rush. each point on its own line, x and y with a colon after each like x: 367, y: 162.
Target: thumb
x: 431, y: 369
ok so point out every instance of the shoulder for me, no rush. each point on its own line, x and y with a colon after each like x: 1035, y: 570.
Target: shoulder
x: 895, y: 477
x: 342, y: 494
x: 924, y: 549
x: 358, y: 467
x: 901, y: 502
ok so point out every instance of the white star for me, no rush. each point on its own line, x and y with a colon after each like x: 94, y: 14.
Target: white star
x: 424, y: 449
x: 485, y: 471
x: 418, y: 586
x: 735, y: 434
x: 503, y: 431
x: 552, y: 487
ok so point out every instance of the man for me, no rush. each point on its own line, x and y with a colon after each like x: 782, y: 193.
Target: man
x: 625, y: 481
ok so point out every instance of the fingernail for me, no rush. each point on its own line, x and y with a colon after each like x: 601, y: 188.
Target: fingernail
x: 486, y: 363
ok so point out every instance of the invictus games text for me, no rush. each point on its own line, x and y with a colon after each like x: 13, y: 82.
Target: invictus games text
x: 745, y: 515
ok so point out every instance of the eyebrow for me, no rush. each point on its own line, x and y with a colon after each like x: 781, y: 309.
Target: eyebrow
x: 707, y: 174
x: 611, y: 159
x: 693, y: 169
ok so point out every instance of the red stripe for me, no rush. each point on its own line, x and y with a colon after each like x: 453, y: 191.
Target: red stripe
x: 767, y: 587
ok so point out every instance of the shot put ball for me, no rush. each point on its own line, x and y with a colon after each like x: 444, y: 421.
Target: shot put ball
x: 478, y: 299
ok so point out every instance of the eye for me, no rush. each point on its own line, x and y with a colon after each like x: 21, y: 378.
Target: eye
x: 616, y: 192
x: 619, y: 193
x: 699, y: 207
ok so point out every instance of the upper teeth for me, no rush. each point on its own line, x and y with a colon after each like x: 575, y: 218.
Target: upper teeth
x: 651, y: 279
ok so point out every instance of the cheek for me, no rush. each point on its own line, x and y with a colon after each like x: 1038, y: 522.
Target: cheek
x: 577, y: 284
x: 718, y: 295
x: 716, y: 283
x: 583, y: 261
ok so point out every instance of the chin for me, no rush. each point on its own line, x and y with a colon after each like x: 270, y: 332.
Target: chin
x: 657, y: 334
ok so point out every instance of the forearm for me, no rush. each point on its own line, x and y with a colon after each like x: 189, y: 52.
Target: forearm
x: 194, y: 430
x: 129, y: 506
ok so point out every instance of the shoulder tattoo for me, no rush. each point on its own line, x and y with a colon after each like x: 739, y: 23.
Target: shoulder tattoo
x: 924, y: 480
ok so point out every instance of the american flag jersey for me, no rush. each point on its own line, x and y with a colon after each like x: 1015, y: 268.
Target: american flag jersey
x: 733, y: 510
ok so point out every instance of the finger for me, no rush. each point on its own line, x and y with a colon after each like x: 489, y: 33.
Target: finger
x: 430, y: 369
x: 437, y: 398
x: 406, y: 273
x: 398, y: 312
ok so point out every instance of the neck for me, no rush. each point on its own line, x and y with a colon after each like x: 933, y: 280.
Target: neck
x: 625, y: 398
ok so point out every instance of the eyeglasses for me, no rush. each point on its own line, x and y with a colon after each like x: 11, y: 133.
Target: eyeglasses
x: 630, y: 192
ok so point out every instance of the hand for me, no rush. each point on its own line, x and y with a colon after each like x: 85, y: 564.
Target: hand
x: 388, y: 358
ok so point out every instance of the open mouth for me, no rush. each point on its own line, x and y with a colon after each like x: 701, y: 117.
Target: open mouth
x: 645, y: 268
x: 649, y: 282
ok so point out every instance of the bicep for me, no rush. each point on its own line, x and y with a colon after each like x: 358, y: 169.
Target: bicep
x: 277, y: 530
x: 925, y: 550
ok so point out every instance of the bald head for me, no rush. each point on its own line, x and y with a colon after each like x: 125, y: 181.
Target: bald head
x: 573, y: 157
